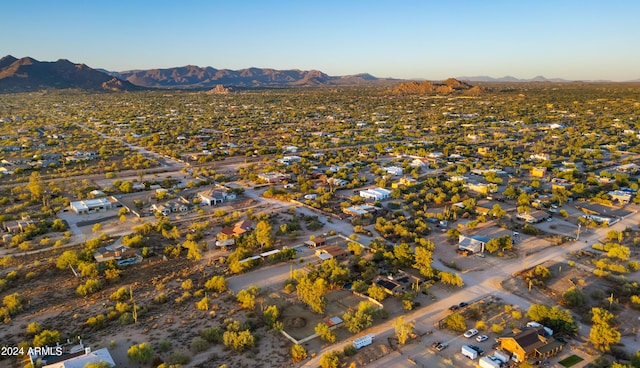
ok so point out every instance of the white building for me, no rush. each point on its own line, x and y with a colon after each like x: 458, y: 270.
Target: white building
x: 288, y: 160
x: 393, y: 170
x: 80, y: 361
x: 213, y: 196
x: 90, y: 205
x: 376, y: 194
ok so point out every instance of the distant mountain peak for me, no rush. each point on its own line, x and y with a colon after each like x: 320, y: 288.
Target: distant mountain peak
x: 508, y: 78
x: 28, y: 74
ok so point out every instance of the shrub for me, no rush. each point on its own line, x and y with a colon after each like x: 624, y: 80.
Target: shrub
x: 203, y: 304
x: 350, y: 350
x: 177, y: 358
x: 212, y: 334
x: 125, y: 319
x: 46, y: 337
x: 198, y: 345
x: 516, y: 314
x: 238, y: 340
x: 141, y: 353
x: 496, y: 328
x: 216, y: 283
x: 98, y: 322
x: 298, y: 353
x: 89, y: 287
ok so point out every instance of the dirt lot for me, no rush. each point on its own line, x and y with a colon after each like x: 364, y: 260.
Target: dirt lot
x: 51, y: 300
x: 300, y: 322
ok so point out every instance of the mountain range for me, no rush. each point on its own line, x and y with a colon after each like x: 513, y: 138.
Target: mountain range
x: 510, y: 79
x: 194, y: 77
x: 28, y: 74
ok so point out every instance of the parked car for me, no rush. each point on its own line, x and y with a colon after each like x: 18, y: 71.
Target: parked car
x: 442, y: 346
x: 471, y: 333
x: 482, y: 338
x: 454, y: 307
x: 463, y: 304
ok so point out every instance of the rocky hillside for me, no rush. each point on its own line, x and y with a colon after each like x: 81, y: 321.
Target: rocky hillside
x: 28, y: 74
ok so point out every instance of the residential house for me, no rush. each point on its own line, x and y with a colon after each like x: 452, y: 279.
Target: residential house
x: 318, y: 241
x: 214, y: 196
x: 272, y: 177
x: 337, y: 182
x: 238, y: 229
x: 87, y: 206
x: 559, y: 183
x: 172, y: 206
x: 539, y: 157
x: 538, y: 172
x: 533, y: 217
x: 360, y: 210
x: 474, y: 244
x: 376, y: 194
x: 331, y: 251
x: 78, y: 359
x: 396, y: 284
x: 622, y: 197
x: 393, y: 170
x: 482, y: 188
x: 404, y: 181
x: 18, y: 226
x: 530, y: 343
x: 288, y: 160
x: 111, y: 252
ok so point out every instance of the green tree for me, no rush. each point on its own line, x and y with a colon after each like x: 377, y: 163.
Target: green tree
x: 247, y: 298
x: 603, y: 332
x: 46, y: 337
x: 376, y: 292
x: 423, y: 260
x: 96, y: 228
x: 325, y: 333
x: 66, y: 259
x: 403, y: 255
x: 35, y: 186
x: 404, y: 330
x: 556, y: 318
x: 573, y: 297
x: 194, y: 249
x: 264, y: 234
x: 312, y: 293
x: 140, y: 353
x: 330, y: 360
x: 298, y: 353
x: 456, y: 322
x: 360, y: 319
x: 453, y: 279
x: 271, y: 314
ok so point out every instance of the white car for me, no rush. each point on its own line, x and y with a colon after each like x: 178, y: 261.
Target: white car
x: 482, y: 338
x: 471, y: 333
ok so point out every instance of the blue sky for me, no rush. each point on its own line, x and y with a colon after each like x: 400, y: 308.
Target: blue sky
x: 581, y: 40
